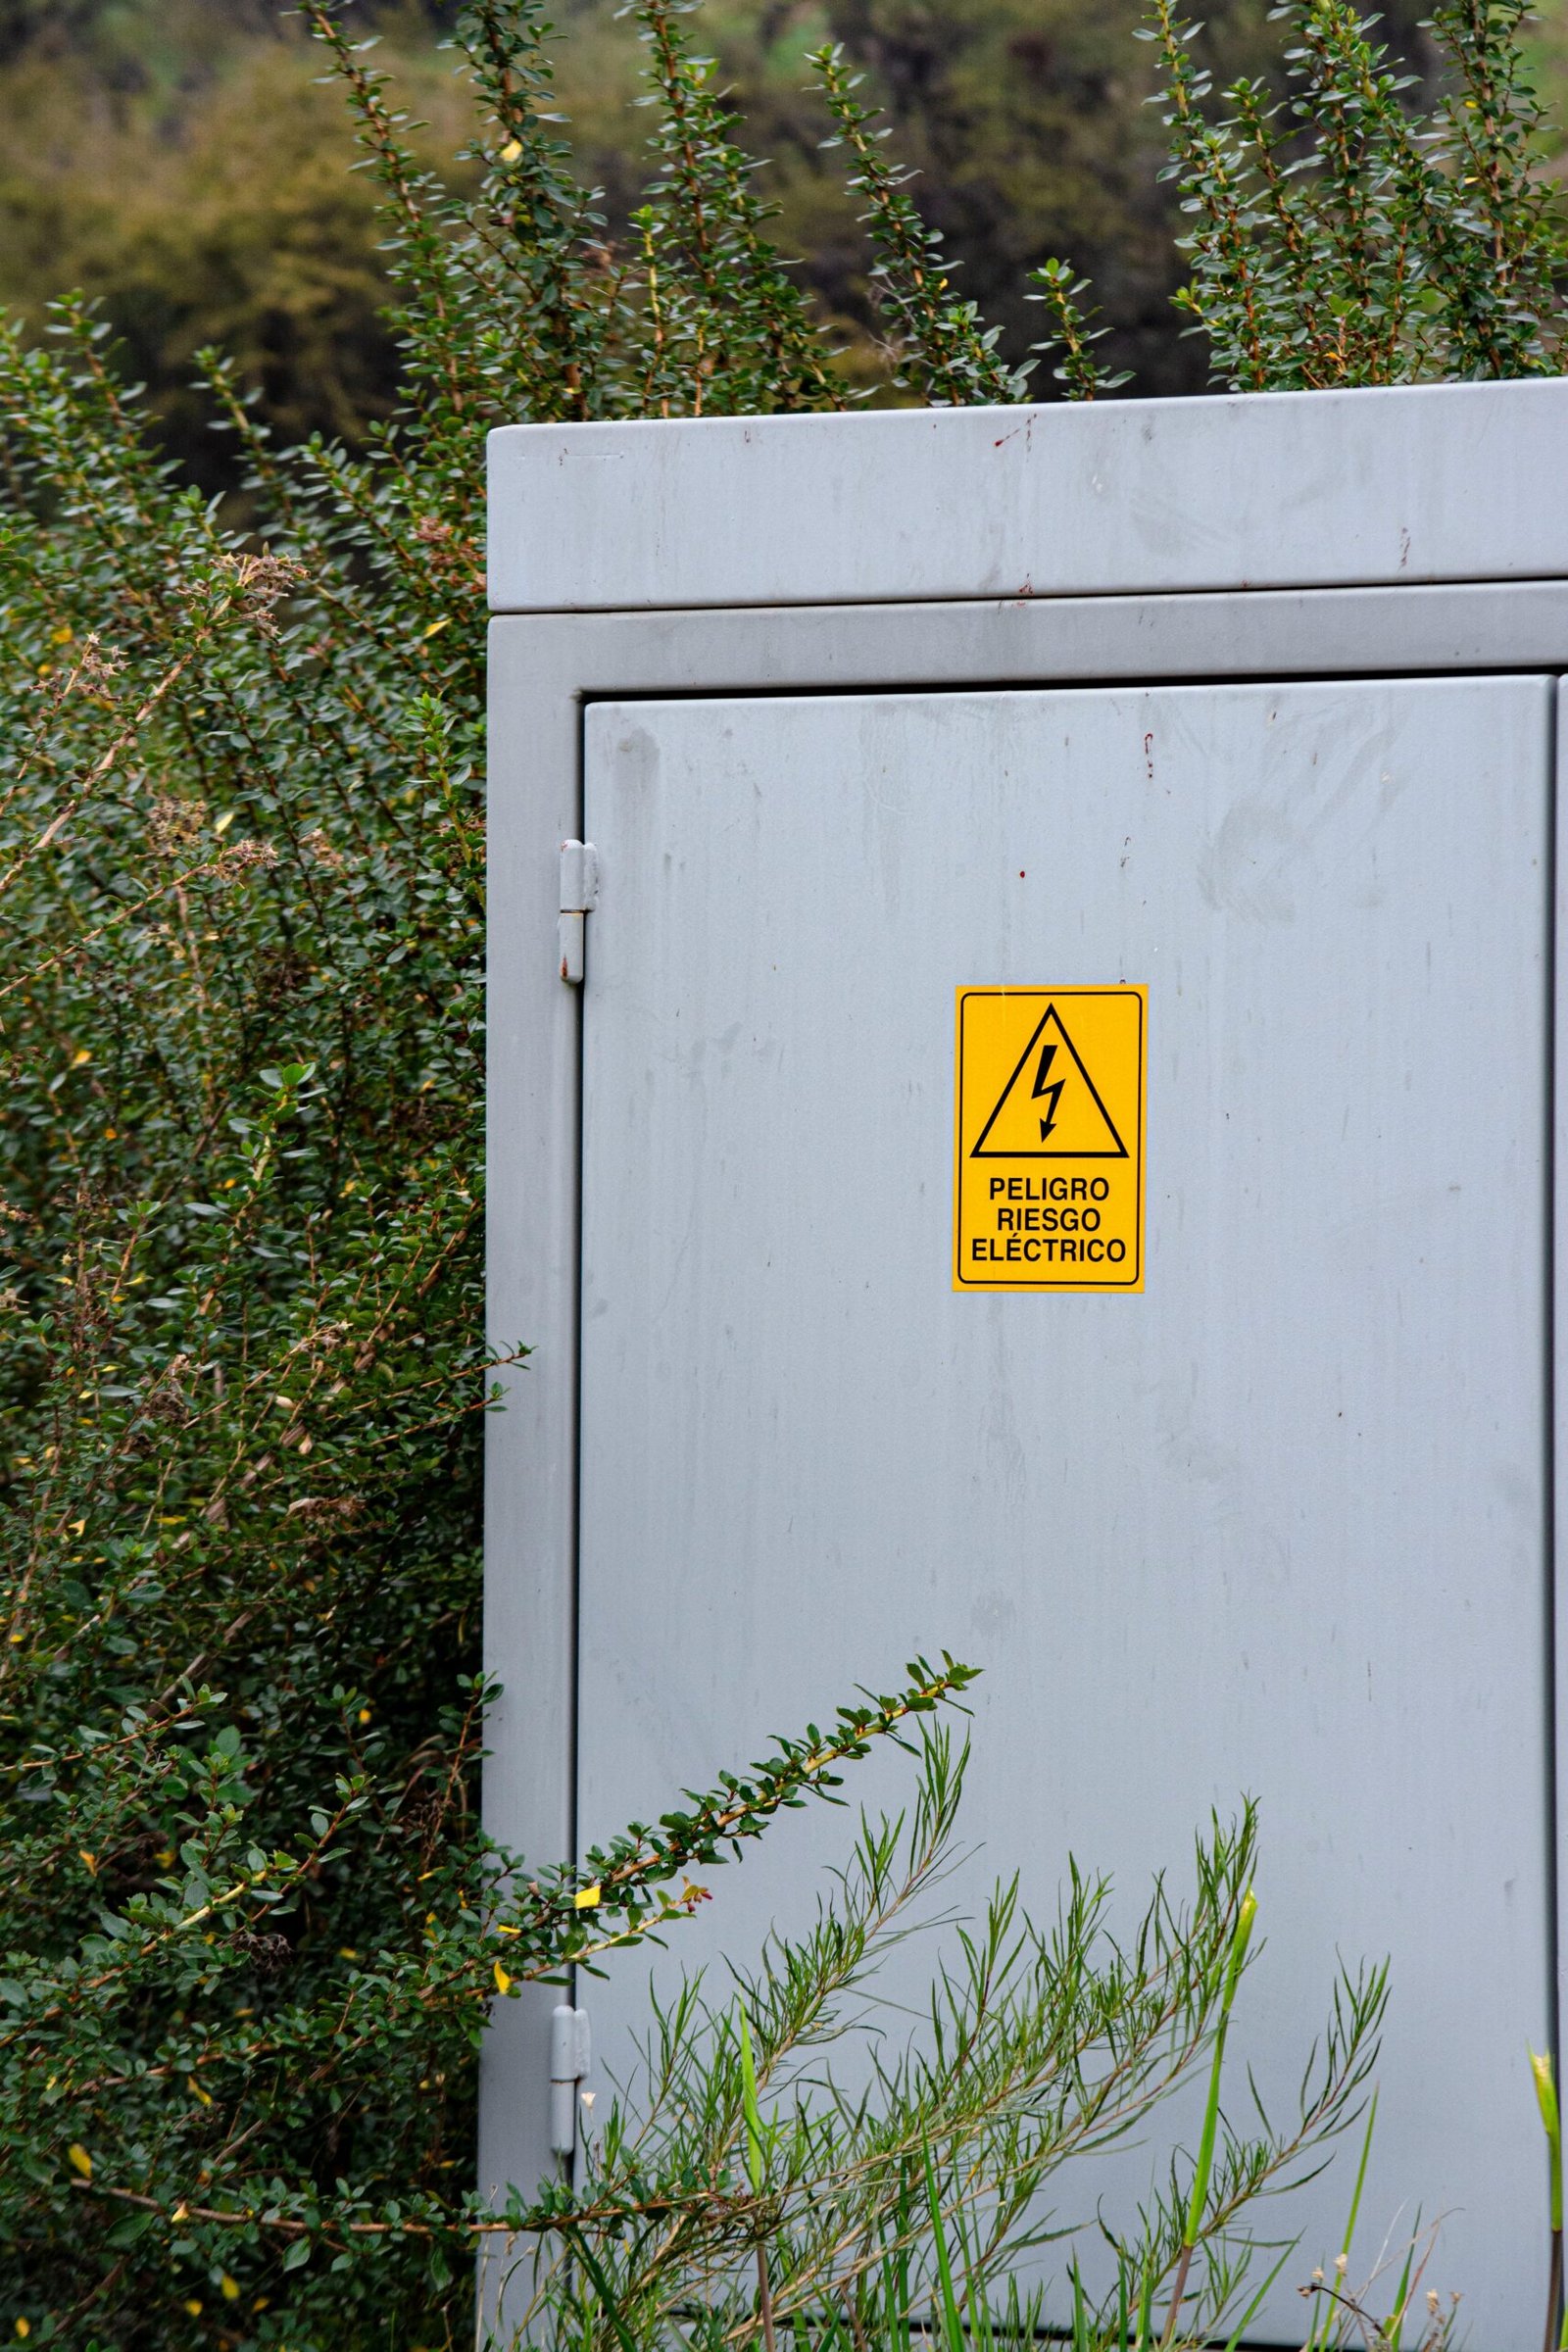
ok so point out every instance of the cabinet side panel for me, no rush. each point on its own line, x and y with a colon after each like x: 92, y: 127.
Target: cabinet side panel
x: 530, y: 1453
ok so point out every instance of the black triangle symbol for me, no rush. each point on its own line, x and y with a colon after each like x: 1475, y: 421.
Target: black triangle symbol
x: 978, y: 1149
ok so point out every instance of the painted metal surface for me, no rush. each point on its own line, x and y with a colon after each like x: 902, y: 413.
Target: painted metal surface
x: 1277, y: 1525
x: 1411, y: 483
x: 544, y: 668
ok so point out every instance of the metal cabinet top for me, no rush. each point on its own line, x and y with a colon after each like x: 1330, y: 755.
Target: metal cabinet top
x: 1259, y: 490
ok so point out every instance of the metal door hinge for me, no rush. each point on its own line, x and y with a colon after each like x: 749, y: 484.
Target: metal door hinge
x: 580, y: 895
x: 570, y: 2057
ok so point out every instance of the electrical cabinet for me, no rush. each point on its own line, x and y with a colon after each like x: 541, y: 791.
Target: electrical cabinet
x: 1044, y: 1149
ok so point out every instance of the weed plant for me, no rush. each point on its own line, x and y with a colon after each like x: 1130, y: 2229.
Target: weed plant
x: 917, y: 2202
x: 249, y: 1928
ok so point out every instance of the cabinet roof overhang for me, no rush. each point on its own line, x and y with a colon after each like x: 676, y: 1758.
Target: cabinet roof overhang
x: 1411, y: 483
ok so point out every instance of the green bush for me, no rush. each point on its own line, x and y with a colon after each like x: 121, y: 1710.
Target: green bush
x: 1339, y: 240
x: 174, y: 157
x: 187, y: 171
x: 249, y: 1927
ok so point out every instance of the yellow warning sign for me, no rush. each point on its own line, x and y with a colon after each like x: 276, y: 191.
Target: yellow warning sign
x: 1049, y: 1194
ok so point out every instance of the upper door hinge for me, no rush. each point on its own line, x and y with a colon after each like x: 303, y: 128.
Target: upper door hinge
x: 580, y: 895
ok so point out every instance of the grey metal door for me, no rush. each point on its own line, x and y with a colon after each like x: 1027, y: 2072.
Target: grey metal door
x: 1278, y: 1524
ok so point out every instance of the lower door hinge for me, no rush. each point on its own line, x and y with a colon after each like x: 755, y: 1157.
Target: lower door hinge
x: 571, y: 2056
x: 580, y: 895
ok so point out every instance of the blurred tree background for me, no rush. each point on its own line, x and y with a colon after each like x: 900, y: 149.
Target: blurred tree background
x: 179, y: 160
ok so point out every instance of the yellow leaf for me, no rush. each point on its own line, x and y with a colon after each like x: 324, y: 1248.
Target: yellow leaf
x: 91, y: 1861
x: 196, y: 2090
x: 63, y: 636
x: 181, y: 2212
x: 503, y: 1980
x: 80, y: 2159
x: 436, y: 626
x: 346, y: 1951
x: 77, y: 1059
x: 193, y: 2306
x: 225, y: 822
x: 587, y: 1898
x: 509, y: 155
x: 230, y: 2288
x: 23, y: 2327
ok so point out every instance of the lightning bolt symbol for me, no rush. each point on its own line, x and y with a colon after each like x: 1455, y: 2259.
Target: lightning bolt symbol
x: 1051, y: 1093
